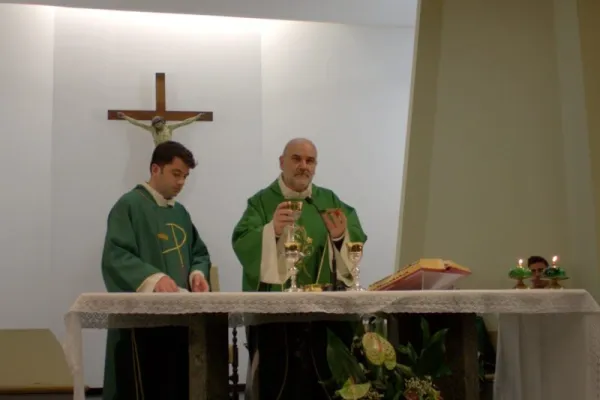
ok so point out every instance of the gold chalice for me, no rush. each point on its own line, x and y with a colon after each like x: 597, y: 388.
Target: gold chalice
x: 293, y: 254
x: 296, y: 207
x: 355, y: 253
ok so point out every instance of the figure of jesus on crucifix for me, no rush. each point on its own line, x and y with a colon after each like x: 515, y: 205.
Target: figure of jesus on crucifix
x: 160, y: 130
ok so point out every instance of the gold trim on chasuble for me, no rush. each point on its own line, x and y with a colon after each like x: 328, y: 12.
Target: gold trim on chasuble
x: 162, y: 236
x: 178, y: 245
x: 165, y: 237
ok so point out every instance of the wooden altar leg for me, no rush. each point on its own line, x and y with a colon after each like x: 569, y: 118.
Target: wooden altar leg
x: 209, y: 350
x: 461, y: 349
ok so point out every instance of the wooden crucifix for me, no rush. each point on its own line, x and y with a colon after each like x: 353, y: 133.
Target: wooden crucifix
x: 161, y: 131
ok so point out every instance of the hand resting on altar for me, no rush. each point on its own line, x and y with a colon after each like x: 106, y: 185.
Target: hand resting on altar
x: 168, y: 285
x: 199, y: 283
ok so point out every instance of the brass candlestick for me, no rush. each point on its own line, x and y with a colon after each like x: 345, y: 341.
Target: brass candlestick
x: 555, y: 274
x: 519, y: 273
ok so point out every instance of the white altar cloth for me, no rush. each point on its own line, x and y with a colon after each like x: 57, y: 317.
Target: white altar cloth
x: 549, y: 340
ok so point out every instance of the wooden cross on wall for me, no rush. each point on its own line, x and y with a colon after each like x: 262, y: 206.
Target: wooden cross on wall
x: 161, y: 108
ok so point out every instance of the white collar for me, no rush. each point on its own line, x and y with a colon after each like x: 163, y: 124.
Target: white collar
x: 291, y: 194
x: 160, y: 200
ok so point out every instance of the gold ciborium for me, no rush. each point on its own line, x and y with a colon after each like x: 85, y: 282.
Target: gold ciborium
x: 355, y: 253
x: 317, y: 287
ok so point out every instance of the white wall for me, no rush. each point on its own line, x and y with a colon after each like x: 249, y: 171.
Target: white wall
x: 344, y: 87
x: 498, y: 149
x: 26, y: 46
x: 378, y: 12
x: 497, y: 143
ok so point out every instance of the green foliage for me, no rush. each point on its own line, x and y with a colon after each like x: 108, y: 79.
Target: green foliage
x: 430, y: 360
x: 342, y: 364
x: 306, y: 247
x: 355, y: 374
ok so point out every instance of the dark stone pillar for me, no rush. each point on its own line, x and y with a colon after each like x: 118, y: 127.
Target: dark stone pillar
x: 209, y: 357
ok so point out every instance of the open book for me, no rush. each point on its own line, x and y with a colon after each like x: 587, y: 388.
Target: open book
x: 424, y: 274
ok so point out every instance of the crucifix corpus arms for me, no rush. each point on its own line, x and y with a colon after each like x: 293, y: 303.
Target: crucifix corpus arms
x: 158, y: 127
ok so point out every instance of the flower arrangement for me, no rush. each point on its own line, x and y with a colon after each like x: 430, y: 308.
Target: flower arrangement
x: 372, y: 369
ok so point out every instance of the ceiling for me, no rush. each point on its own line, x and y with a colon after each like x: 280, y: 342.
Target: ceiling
x: 399, y: 13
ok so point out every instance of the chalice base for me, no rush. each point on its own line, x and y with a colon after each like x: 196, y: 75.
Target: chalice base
x: 356, y: 288
x: 293, y: 290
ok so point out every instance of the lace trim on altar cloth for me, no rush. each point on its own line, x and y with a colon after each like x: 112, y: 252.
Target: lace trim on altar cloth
x: 103, y: 310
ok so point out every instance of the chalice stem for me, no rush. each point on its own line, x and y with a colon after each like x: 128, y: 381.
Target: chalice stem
x: 356, y: 279
x: 294, y: 284
x: 293, y: 277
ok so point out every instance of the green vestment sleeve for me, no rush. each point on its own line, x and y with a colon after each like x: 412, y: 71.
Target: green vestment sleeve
x: 247, y: 244
x: 200, y: 257
x: 121, y: 262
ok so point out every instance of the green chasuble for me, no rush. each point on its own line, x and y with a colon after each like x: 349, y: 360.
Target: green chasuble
x: 248, y: 236
x: 292, y: 356
x: 146, y: 236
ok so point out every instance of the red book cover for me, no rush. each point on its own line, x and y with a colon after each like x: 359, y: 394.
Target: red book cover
x: 426, y: 273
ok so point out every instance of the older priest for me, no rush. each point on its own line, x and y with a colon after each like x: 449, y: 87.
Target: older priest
x: 151, y: 245
x: 292, y: 356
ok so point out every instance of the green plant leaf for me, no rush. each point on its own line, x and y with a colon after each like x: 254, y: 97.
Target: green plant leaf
x: 351, y: 391
x: 443, y: 370
x: 342, y: 364
x: 379, y: 385
x: 439, y: 336
x: 413, y: 354
x: 329, y: 385
x: 397, y: 382
x: 432, y: 359
x: 403, y: 350
x: 405, y: 370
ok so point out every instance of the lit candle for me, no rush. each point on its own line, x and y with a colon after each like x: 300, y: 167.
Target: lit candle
x: 554, y: 260
x: 520, y: 263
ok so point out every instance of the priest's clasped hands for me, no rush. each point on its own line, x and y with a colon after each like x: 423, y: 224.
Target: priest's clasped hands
x: 168, y: 285
x: 334, y: 219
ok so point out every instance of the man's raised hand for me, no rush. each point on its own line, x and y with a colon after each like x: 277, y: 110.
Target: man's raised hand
x: 282, y: 217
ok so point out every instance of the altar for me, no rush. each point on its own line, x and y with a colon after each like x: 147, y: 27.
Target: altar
x: 548, y: 346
